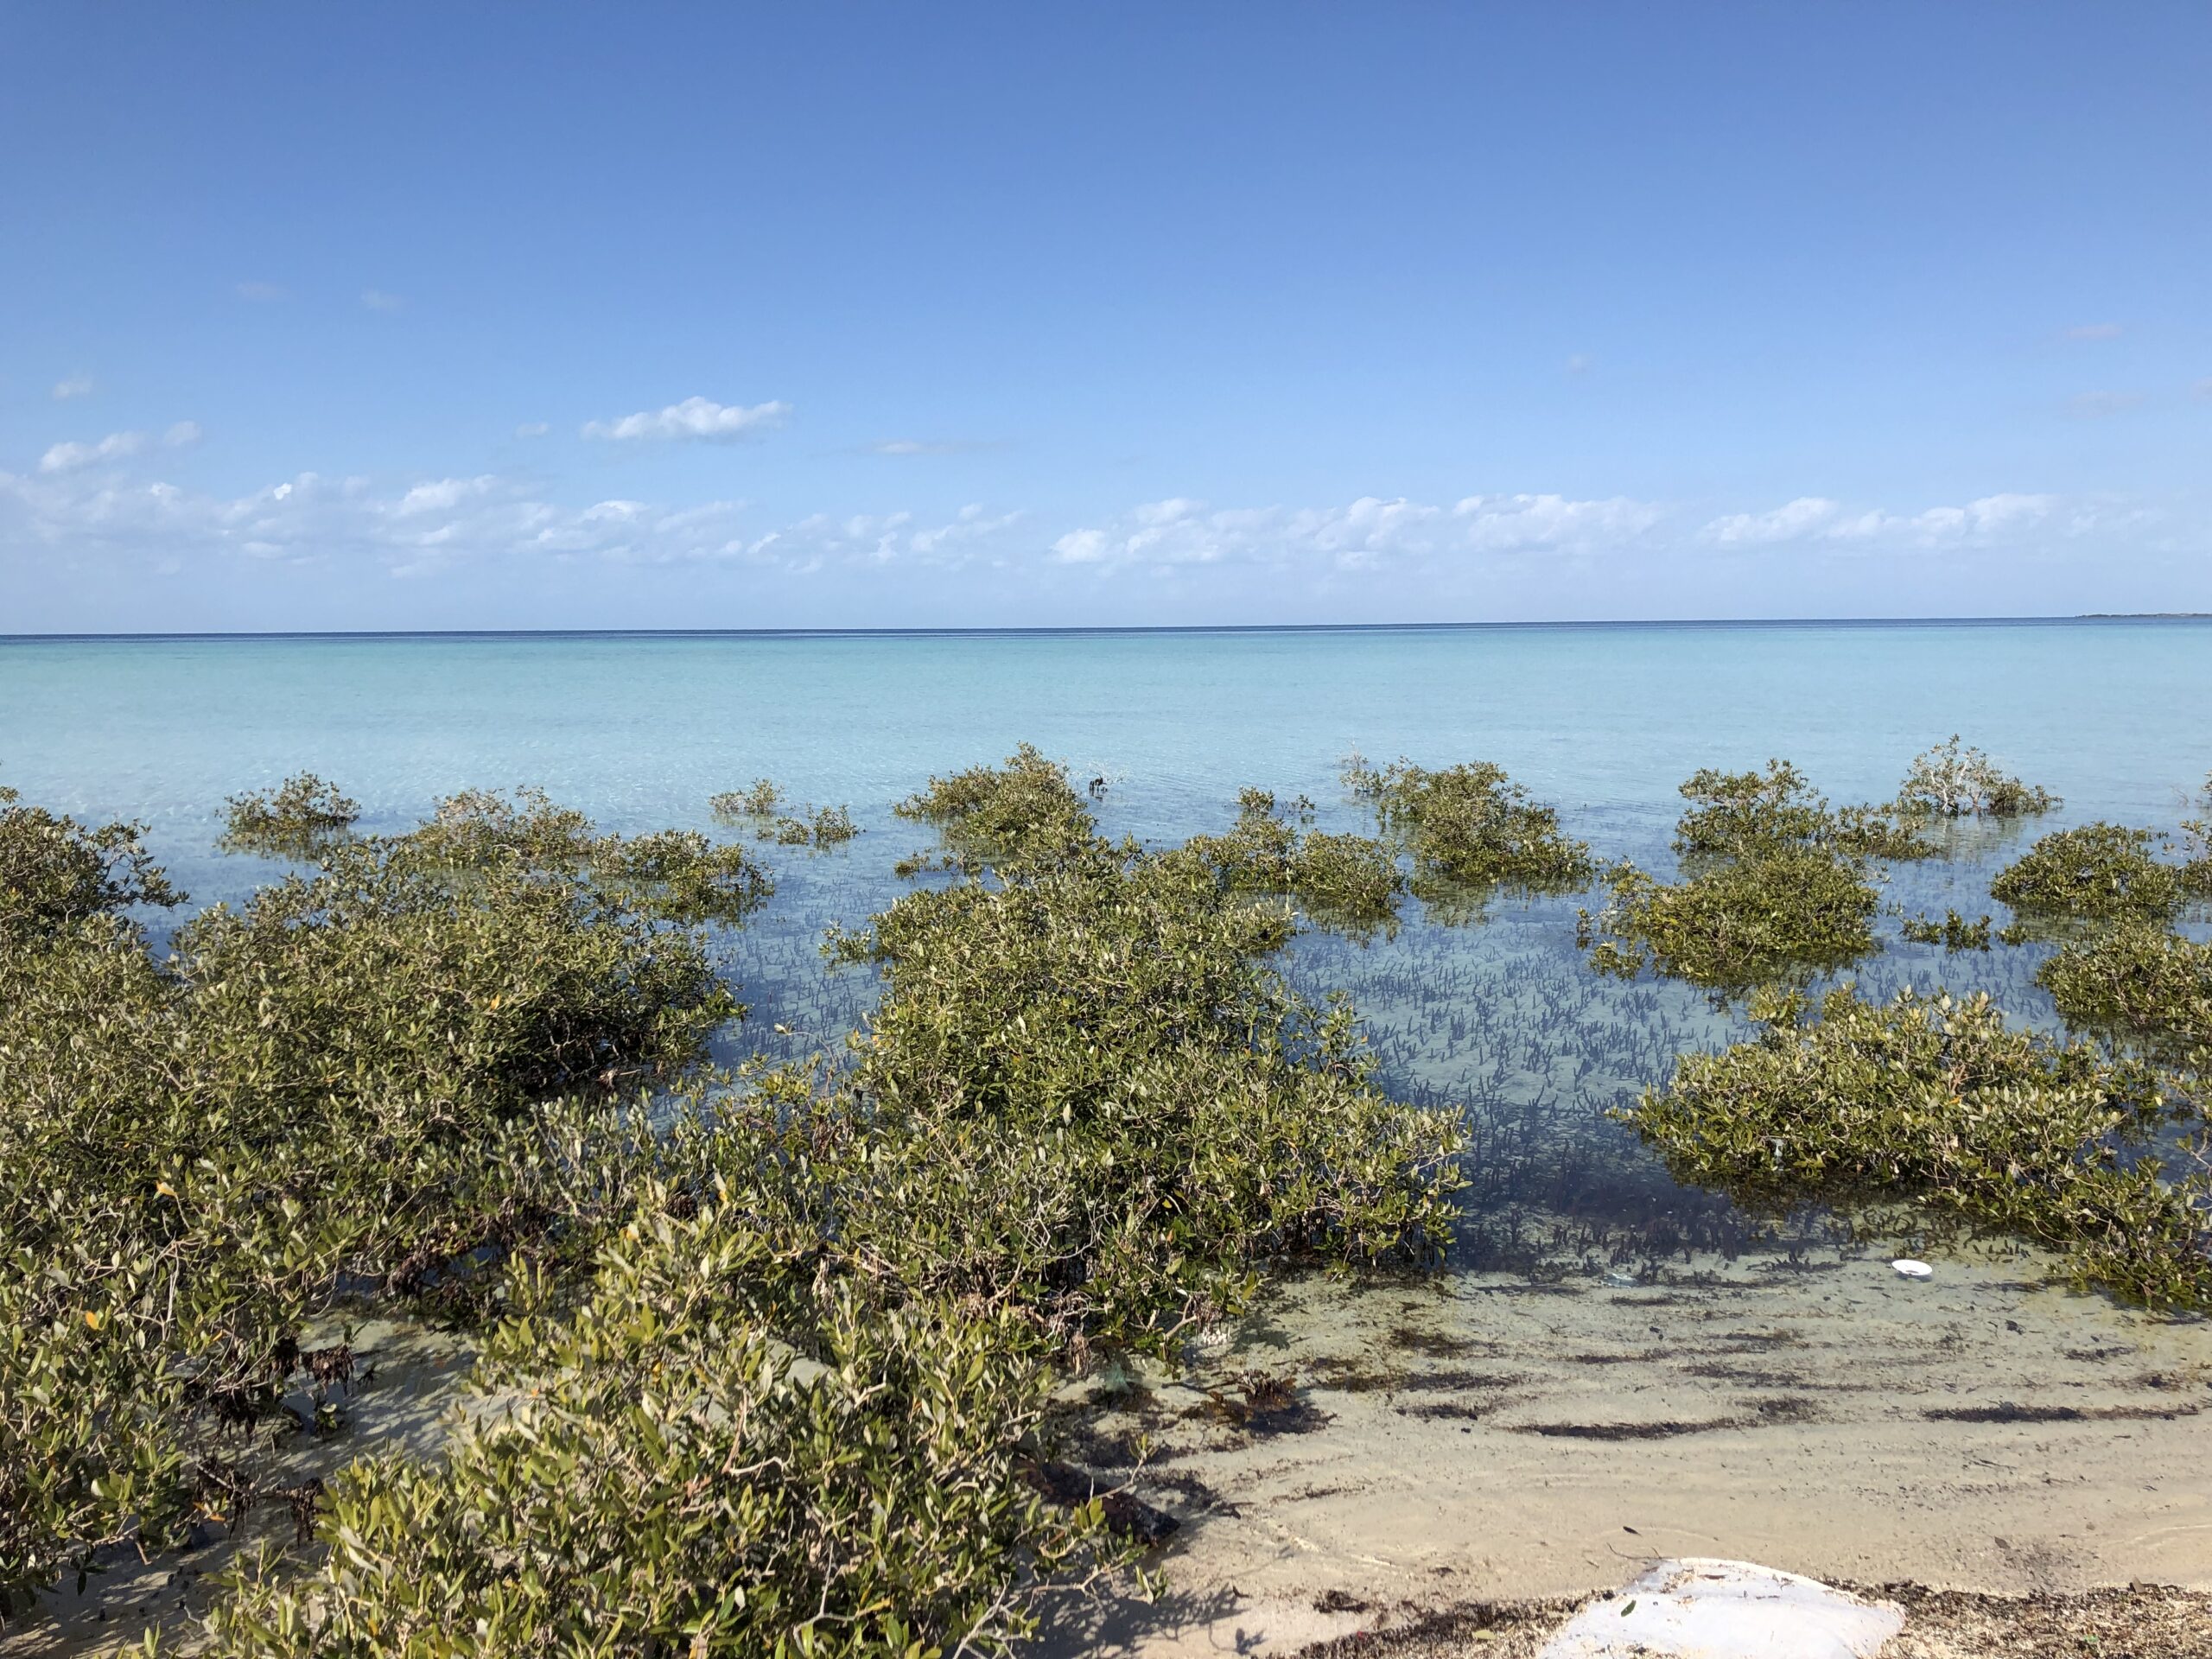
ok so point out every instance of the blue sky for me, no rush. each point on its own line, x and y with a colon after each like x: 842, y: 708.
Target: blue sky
x: 877, y: 315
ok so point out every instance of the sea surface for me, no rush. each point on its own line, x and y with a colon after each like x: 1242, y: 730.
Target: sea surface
x: 1496, y: 1013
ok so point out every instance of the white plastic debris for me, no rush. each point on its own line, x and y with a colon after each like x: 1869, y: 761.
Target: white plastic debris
x: 1912, y: 1269
x: 1697, y: 1608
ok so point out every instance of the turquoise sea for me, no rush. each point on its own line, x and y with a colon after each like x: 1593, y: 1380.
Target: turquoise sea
x: 1497, y: 1013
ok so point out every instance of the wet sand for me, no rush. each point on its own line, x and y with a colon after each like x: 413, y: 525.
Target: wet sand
x: 1485, y: 1438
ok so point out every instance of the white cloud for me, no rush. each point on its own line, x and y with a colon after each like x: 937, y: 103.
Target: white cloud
x: 68, y: 457
x: 261, y: 293
x: 435, y: 522
x: 442, y: 495
x: 1366, y: 532
x: 1580, y: 363
x: 1817, y: 518
x: 695, y: 417
x: 1787, y: 522
x: 80, y: 510
x: 77, y: 386
x: 2093, y: 331
x: 375, y: 298
x: 533, y: 430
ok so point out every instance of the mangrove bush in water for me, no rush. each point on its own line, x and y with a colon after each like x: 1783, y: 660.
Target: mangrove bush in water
x: 295, y: 820
x: 1774, y: 886
x: 1951, y: 781
x: 1471, y: 826
x: 1954, y: 932
x: 2197, y: 873
x: 1747, y: 814
x: 818, y: 827
x: 677, y: 875
x: 2100, y: 872
x: 55, y: 872
x: 1018, y: 817
x: 2139, y: 984
x: 1349, y: 880
x: 1939, y: 1101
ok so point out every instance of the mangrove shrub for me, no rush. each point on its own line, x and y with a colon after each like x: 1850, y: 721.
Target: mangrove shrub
x: 334, y: 1090
x: 1472, y: 825
x: 2140, y: 983
x: 1939, y: 1101
x: 2100, y: 872
x: 1951, y: 781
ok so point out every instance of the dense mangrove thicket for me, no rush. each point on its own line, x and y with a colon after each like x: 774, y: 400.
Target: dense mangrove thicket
x: 721, y: 1446
x: 768, y: 1380
x: 1951, y: 781
x: 334, y: 1090
x: 2100, y: 872
x: 1471, y: 826
x: 1774, y: 886
x: 55, y: 872
x: 1939, y: 1102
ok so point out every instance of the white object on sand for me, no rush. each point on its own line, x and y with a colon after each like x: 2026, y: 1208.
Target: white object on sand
x: 1912, y: 1269
x: 1698, y: 1609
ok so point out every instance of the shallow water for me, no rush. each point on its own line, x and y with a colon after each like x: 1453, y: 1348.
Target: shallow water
x: 1499, y: 1014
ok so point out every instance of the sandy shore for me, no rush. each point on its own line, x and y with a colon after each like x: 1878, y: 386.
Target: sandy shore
x: 1485, y: 1443
x: 1489, y: 1439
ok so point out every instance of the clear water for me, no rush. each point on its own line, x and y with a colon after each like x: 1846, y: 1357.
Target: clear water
x: 1499, y: 1015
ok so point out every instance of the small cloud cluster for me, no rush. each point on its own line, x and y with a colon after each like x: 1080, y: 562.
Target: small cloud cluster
x: 375, y: 298
x: 70, y: 457
x: 2093, y: 331
x: 92, y: 498
x: 1985, y: 521
x: 437, y: 521
x: 77, y: 386
x: 695, y: 419
x: 1361, y: 533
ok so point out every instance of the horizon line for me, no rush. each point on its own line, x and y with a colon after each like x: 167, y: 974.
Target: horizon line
x: 970, y: 631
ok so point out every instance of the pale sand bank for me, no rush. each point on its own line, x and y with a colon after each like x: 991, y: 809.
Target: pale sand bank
x: 1487, y: 1439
